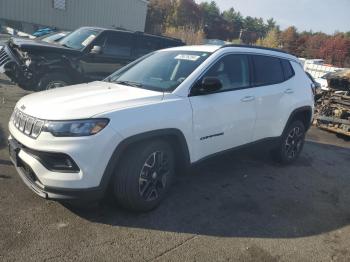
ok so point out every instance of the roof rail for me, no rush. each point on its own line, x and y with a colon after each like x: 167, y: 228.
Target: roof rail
x: 256, y: 47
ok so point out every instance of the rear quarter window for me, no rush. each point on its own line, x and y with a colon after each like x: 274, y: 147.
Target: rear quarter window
x: 267, y: 70
x: 287, y: 69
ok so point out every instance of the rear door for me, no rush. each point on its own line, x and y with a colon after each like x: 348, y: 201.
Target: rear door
x: 273, y: 79
x: 116, y: 52
x: 226, y: 118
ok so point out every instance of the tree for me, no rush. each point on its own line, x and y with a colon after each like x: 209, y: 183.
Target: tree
x: 335, y: 50
x: 235, y: 20
x: 313, y: 45
x: 271, y: 25
x: 272, y: 39
x: 290, y: 40
x: 253, y: 29
x: 192, y: 22
x: 157, y: 14
x: 210, y: 12
x: 212, y: 20
x: 185, y: 13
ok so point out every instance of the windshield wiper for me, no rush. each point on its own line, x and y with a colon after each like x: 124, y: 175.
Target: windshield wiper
x: 128, y: 83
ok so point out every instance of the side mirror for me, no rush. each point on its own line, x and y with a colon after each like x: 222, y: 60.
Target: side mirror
x: 96, y: 50
x: 208, y: 85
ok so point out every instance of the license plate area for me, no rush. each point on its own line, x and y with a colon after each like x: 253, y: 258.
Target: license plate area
x: 14, y: 149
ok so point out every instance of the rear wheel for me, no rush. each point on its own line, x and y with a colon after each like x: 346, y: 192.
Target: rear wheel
x: 144, y: 176
x: 291, y: 143
x: 52, y: 81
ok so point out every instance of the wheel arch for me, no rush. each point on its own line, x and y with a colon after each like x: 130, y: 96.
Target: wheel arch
x: 172, y: 135
x: 61, y: 66
x: 304, y: 114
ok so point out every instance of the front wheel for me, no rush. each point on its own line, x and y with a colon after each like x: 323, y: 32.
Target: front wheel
x: 144, y: 175
x: 291, y: 144
x: 52, y: 81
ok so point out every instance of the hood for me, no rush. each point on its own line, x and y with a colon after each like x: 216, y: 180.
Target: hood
x: 85, y: 100
x: 33, y: 44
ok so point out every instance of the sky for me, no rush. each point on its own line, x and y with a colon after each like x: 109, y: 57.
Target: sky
x: 317, y: 15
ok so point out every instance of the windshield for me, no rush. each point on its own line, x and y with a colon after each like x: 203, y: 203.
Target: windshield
x: 53, y: 37
x: 160, y: 71
x: 79, y: 38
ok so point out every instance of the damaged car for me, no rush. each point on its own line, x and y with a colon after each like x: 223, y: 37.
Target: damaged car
x: 85, y: 55
x: 333, y: 106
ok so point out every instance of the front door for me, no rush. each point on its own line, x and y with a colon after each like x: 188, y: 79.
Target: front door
x: 226, y: 118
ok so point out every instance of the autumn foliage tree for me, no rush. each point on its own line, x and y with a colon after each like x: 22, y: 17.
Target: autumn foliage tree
x: 271, y: 40
x: 336, y: 50
x: 289, y: 39
x: 193, y: 22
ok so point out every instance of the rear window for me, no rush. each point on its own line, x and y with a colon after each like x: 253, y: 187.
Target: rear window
x: 267, y: 70
x: 287, y: 69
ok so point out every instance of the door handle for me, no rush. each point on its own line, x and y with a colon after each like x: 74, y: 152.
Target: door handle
x: 289, y: 91
x: 247, y: 98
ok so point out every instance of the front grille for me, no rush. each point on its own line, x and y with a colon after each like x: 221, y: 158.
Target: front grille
x: 26, y: 124
x: 4, y: 57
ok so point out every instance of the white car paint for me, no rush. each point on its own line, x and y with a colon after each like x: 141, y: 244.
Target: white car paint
x: 244, y: 116
x: 85, y: 100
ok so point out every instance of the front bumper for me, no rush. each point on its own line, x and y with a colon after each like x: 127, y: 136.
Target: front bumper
x: 14, y: 69
x: 91, y: 154
x: 30, y: 180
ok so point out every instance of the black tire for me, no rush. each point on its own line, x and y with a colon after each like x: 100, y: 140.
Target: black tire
x: 291, y: 143
x: 52, y: 80
x: 138, y: 185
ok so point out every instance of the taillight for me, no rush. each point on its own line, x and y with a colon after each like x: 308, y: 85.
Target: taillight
x: 313, y: 88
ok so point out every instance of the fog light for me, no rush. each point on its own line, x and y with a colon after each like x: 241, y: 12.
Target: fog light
x: 56, y: 162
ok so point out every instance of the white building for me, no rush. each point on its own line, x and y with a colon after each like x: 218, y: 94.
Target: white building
x: 29, y: 15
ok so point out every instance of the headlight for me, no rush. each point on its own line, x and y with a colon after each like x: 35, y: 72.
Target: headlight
x: 74, y: 128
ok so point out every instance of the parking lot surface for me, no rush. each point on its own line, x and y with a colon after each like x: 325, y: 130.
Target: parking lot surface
x: 237, y: 207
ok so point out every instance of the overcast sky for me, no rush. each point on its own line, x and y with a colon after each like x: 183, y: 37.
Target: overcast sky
x: 316, y: 15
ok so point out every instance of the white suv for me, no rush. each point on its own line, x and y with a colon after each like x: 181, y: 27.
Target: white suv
x: 171, y: 108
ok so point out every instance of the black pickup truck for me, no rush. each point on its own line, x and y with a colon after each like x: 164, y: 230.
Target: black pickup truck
x: 87, y: 54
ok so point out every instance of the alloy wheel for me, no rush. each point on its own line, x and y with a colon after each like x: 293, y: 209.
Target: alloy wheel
x: 294, y: 142
x: 153, y: 176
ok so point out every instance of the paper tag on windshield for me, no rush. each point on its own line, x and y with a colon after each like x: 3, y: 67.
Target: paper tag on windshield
x: 187, y: 57
x: 88, y: 40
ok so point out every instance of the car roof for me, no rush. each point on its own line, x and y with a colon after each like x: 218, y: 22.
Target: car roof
x: 199, y: 48
x: 131, y: 32
x: 238, y: 48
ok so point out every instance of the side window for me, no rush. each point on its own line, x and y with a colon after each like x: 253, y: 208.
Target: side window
x: 146, y: 45
x: 287, y: 69
x: 118, y: 44
x: 232, y: 71
x: 166, y: 43
x: 267, y: 70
